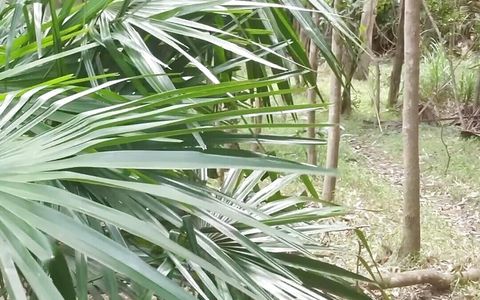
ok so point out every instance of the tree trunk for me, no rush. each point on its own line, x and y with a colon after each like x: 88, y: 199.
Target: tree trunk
x: 377, y: 96
x: 349, y: 68
x: 298, y: 29
x: 411, y: 185
x: 333, y: 118
x: 367, y: 23
x: 257, y: 103
x: 312, y: 99
x: 304, y: 40
x: 396, y: 75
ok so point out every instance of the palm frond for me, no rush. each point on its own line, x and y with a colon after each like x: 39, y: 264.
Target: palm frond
x: 109, y: 108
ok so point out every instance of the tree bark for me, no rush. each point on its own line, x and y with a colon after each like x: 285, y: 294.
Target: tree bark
x: 396, y: 74
x: 312, y: 99
x: 304, y: 40
x: 349, y: 67
x: 298, y: 29
x: 411, y: 185
x: 376, y: 99
x: 367, y: 23
x: 333, y: 142
x: 257, y: 103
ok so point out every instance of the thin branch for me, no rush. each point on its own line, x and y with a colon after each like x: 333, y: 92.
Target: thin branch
x: 446, y: 149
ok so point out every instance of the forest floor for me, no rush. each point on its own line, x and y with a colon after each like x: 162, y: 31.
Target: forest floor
x: 370, y: 183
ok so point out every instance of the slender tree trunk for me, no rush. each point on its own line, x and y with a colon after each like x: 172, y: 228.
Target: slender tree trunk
x: 349, y: 67
x: 305, y: 41
x: 411, y: 185
x: 367, y: 23
x: 298, y: 30
x: 396, y: 75
x: 257, y: 120
x: 377, y: 89
x: 333, y: 118
x: 312, y: 99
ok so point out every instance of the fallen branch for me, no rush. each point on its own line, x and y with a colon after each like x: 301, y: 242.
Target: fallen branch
x: 449, y: 118
x: 469, y: 133
x: 439, y: 280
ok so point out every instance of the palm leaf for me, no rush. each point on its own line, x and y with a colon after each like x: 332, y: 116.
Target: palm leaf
x: 99, y: 184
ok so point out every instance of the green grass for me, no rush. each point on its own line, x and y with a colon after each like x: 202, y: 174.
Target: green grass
x: 454, y: 160
x: 441, y: 244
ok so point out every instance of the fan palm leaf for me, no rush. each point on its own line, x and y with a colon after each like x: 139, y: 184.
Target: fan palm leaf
x: 88, y: 170
x: 99, y: 191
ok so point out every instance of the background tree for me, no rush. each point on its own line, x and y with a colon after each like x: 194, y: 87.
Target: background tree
x: 367, y: 23
x: 312, y: 94
x: 396, y: 74
x: 334, y: 111
x: 411, y: 184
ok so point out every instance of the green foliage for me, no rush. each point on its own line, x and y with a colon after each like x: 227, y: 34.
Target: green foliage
x: 436, y: 79
x: 455, y: 19
x: 446, y: 13
x: 385, y: 6
x: 110, y: 113
x: 435, y: 75
x: 466, y: 84
x: 386, y: 11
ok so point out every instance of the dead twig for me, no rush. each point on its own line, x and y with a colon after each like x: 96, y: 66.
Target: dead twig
x: 446, y: 150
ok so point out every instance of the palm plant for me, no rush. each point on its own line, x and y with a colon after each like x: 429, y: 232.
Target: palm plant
x: 99, y: 193
x: 195, y: 42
